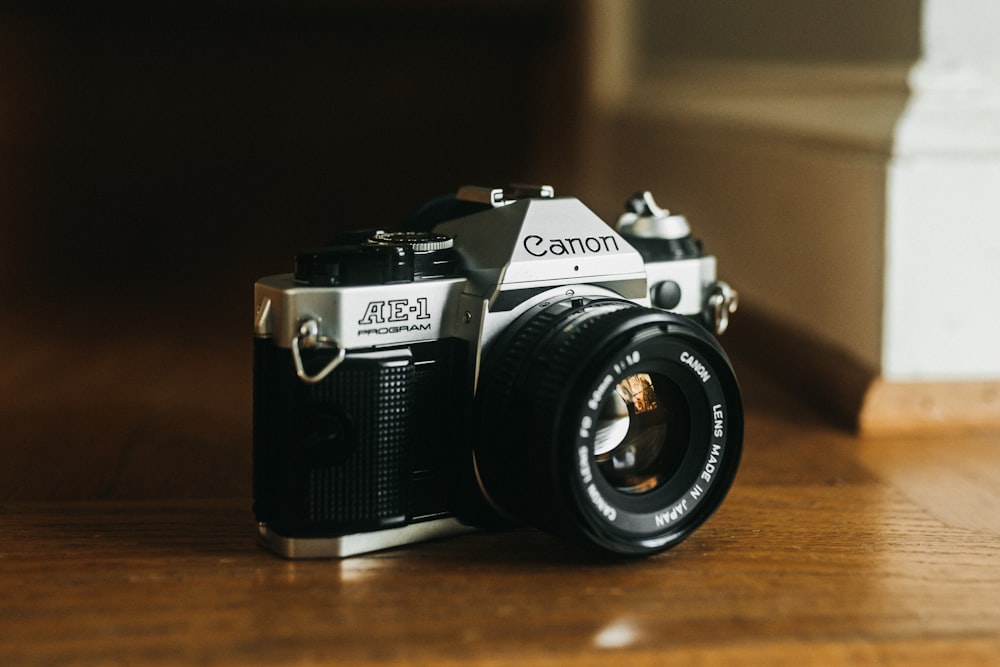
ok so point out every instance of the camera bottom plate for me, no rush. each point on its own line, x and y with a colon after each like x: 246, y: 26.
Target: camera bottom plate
x: 358, y: 543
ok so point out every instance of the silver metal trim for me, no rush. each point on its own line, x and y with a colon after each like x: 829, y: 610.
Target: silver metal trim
x: 262, y: 320
x: 345, y: 546
x: 343, y: 311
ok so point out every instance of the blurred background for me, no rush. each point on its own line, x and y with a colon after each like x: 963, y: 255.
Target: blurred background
x: 156, y: 159
x: 182, y: 148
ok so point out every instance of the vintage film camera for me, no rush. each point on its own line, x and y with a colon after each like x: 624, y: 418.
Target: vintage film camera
x: 512, y: 358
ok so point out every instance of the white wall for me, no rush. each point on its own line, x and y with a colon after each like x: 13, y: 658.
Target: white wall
x: 943, y: 219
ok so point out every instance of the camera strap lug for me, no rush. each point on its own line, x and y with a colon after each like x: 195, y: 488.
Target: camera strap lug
x: 309, y: 338
x: 722, y: 301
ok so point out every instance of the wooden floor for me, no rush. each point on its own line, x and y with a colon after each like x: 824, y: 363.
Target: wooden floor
x: 829, y: 550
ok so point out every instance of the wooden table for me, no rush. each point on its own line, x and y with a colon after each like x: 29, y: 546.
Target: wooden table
x: 829, y: 549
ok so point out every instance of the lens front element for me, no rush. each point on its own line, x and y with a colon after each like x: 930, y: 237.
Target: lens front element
x: 642, y: 433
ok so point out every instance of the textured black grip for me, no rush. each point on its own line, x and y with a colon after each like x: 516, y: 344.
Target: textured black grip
x: 355, y: 437
x: 360, y: 450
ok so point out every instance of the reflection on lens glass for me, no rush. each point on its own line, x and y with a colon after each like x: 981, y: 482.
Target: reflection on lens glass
x: 642, y: 433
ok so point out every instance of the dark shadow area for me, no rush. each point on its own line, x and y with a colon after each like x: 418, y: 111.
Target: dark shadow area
x: 172, y: 154
x: 156, y: 159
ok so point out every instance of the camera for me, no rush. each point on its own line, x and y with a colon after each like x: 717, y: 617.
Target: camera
x: 507, y: 358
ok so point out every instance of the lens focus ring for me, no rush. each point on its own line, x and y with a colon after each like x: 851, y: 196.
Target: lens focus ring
x: 523, y: 396
x: 564, y: 325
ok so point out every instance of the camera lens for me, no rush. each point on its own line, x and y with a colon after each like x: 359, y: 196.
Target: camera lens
x: 642, y: 431
x: 630, y: 418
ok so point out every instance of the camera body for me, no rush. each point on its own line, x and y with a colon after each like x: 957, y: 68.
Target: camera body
x: 410, y: 385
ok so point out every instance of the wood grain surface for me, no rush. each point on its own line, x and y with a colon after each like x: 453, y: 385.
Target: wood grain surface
x: 830, y: 549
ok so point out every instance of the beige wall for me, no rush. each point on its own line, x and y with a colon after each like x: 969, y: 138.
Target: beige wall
x: 785, y: 30
x: 819, y: 153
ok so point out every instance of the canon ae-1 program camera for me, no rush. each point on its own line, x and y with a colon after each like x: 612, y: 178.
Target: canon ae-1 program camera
x: 511, y: 357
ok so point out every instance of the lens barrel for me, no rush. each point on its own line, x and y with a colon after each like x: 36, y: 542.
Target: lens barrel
x: 609, y: 423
